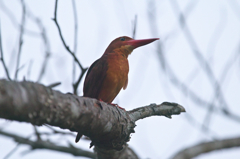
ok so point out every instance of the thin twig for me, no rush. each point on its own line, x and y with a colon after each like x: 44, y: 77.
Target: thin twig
x: 20, y: 38
x: 59, y: 132
x: 173, y: 78
x: 211, y: 49
x: 40, y: 144
x: 47, y: 49
x: 2, y: 58
x: 29, y: 69
x: 20, y: 68
x: 54, y: 84
x: 75, y: 85
x: 75, y: 38
x: 199, y: 56
x: 45, y: 40
x: 61, y: 36
x: 14, y: 21
x: 134, y: 26
x: 204, y: 64
x: 37, y: 133
x: 12, y: 151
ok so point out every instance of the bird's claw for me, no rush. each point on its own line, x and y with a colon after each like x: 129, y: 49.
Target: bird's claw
x: 116, y: 105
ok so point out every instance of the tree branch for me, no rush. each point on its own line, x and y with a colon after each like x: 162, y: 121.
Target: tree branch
x: 134, y: 24
x: 165, y: 109
x: 41, y: 144
x: 75, y: 85
x: 75, y: 37
x: 107, y: 126
x: 201, y: 148
x: 20, y: 38
x: 199, y: 55
x: 2, y: 58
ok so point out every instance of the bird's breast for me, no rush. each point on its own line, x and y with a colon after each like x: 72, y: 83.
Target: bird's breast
x: 116, y: 77
x: 117, y: 68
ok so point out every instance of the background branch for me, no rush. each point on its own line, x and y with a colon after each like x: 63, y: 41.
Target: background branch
x: 75, y: 37
x: 2, y: 58
x: 205, y: 147
x: 134, y: 24
x: 20, y: 38
x: 44, y: 144
x: 83, y: 70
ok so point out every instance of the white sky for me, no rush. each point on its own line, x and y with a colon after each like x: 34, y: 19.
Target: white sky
x: 99, y: 22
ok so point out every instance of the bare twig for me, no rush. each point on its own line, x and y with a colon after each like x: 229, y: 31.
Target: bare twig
x: 29, y: 69
x: 61, y: 36
x: 205, y: 129
x: 204, y: 64
x: 12, y: 151
x: 2, y: 58
x: 59, y: 132
x: 211, y: 49
x: 173, y: 78
x: 40, y: 144
x: 134, y: 24
x: 37, y: 133
x: 75, y: 37
x: 20, y: 68
x: 44, y: 39
x: 20, y: 38
x: 75, y: 85
x: 205, y: 147
x: 47, y: 49
x: 14, y: 21
x: 54, y: 84
x: 153, y: 109
x: 199, y: 56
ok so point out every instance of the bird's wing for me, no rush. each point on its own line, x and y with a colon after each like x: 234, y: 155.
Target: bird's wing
x: 94, y: 78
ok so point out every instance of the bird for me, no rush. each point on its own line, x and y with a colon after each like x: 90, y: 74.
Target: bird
x: 109, y: 74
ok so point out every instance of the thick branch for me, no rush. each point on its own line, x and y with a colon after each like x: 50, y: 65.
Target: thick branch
x: 207, y: 147
x: 41, y: 144
x: 107, y: 126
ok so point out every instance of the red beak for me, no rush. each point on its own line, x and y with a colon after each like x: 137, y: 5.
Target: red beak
x: 138, y: 43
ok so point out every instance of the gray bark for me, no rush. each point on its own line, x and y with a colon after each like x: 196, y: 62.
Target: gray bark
x: 107, y: 126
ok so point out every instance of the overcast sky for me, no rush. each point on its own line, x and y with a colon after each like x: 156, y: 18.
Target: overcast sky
x: 211, y: 33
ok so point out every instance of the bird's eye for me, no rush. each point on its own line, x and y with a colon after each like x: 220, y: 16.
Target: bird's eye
x: 122, y: 39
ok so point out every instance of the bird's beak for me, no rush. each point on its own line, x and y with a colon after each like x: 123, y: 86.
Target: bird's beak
x: 138, y: 43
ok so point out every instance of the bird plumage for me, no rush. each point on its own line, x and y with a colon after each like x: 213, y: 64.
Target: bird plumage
x: 109, y: 74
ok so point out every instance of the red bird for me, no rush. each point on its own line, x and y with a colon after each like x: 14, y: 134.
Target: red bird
x: 109, y: 74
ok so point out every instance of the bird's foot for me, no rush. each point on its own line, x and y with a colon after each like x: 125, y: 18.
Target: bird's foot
x: 116, y: 105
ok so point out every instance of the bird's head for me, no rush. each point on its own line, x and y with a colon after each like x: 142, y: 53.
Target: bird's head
x: 126, y: 45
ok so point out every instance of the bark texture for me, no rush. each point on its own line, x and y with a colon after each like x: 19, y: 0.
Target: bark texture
x: 107, y: 126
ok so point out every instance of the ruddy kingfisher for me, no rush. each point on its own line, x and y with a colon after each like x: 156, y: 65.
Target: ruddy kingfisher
x: 109, y: 74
